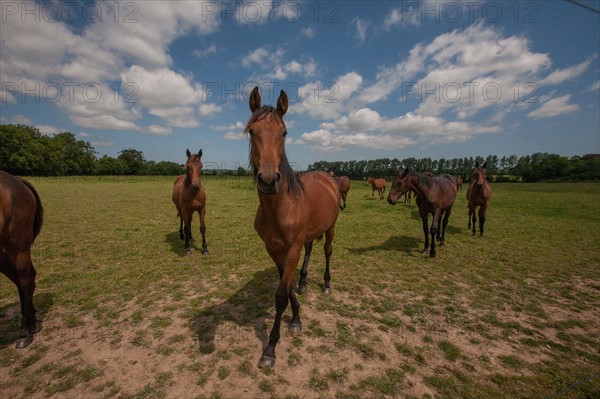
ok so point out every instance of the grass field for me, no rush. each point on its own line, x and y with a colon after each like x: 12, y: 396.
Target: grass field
x: 513, y: 314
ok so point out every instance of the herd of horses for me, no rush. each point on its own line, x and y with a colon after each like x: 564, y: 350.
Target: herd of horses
x: 294, y: 210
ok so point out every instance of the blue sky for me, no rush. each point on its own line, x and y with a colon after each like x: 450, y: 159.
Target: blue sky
x: 366, y: 79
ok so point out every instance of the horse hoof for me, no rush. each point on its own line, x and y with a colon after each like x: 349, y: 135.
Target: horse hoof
x: 302, y: 289
x: 188, y: 252
x: 266, y: 362
x: 24, y: 342
x: 295, y: 328
x: 425, y: 251
x: 326, y: 290
x: 432, y: 254
x: 205, y: 252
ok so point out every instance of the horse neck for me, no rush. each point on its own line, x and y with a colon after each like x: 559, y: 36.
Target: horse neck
x: 416, y: 186
x: 272, y: 203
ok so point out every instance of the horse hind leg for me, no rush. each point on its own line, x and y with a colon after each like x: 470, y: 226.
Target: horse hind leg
x: 328, y: 248
x: 187, y: 229
x: 203, y: 231
x: 444, y: 225
x: 23, y: 275
x: 302, y: 284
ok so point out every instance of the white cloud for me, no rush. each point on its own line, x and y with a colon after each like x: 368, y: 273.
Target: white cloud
x: 560, y: 75
x: 594, y: 86
x: 367, y: 128
x: 85, y: 135
x: 554, y: 107
x: 401, y: 17
x: 212, y: 49
x: 102, y: 143
x: 209, y: 109
x: 157, y: 130
x: 360, y: 26
x: 49, y: 129
x: 308, y: 32
x: 327, y: 101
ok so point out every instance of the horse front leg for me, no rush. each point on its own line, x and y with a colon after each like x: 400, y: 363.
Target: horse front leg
x: 283, y: 294
x: 181, y: 235
x: 482, y: 210
x: 203, y: 231
x: 425, y: 232
x: 187, y: 229
x: 474, y: 219
x: 302, y: 284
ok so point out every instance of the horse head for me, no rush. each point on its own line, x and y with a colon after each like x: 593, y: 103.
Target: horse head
x: 400, y: 186
x: 267, y: 133
x: 480, y: 174
x: 193, y: 169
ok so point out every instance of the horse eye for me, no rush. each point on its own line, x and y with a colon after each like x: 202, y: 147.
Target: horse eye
x: 285, y: 133
x: 250, y: 132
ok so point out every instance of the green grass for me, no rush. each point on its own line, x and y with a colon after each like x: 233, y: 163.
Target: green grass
x: 126, y: 314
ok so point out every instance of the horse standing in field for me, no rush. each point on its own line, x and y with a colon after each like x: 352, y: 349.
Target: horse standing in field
x: 189, y: 197
x: 459, y: 183
x: 21, y: 218
x: 479, y: 195
x: 293, y: 210
x: 376, y: 184
x: 434, y: 195
x: 344, y: 184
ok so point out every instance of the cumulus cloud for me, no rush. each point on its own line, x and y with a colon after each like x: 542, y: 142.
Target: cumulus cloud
x: 61, y: 63
x: 554, y: 107
x: 360, y: 27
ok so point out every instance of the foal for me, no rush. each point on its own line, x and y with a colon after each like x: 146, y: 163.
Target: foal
x: 479, y: 195
x: 189, y: 197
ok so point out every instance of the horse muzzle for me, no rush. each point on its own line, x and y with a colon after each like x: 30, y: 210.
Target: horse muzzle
x: 392, y: 201
x: 195, y: 186
x: 268, y: 184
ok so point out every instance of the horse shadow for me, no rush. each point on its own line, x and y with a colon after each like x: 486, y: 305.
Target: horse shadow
x: 394, y: 243
x: 248, y: 308
x: 450, y: 229
x: 10, y: 318
x: 178, y: 245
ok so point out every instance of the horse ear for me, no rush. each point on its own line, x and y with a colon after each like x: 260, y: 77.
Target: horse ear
x: 254, y: 100
x: 476, y: 164
x: 200, y: 153
x: 484, y: 165
x: 188, y: 153
x: 282, y: 103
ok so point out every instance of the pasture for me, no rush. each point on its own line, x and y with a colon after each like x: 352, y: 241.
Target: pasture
x: 126, y: 315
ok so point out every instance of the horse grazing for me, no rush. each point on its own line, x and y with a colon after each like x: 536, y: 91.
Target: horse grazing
x: 21, y: 218
x: 434, y: 195
x: 376, y: 184
x: 293, y: 210
x: 189, y: 197
x: 479, y: 194
x: 344, y: 184
x: 459, y: 183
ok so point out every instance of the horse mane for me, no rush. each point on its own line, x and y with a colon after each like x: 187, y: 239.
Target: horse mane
x: 295, y: 186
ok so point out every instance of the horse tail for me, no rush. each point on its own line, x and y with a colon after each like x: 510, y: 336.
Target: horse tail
x: 39, y: 210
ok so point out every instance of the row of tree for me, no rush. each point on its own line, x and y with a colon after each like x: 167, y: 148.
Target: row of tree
x: 530, y: 168
x: 25, y: 151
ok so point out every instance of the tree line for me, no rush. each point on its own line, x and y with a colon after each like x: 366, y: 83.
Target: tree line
x: 25, y: 151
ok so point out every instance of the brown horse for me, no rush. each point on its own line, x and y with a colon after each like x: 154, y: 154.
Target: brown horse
x: 376, y: 184
x: 434, y: 195
x: 189, y: 197
x: 344, y: 184
x: 21, y: 218
x: 293, y: 210
x: 479, y: 195
x: 459, y: 183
